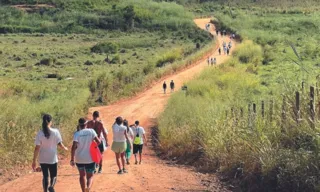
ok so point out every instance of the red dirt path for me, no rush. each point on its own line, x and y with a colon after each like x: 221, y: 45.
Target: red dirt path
x: 154, y: 174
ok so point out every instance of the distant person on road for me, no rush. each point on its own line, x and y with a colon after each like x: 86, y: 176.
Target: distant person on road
x: 217, y: 32
x: 139, y: 139
x: 233, y: 36
x: 46, y: 143
x: 221, y: 33
x: 224, y: 44
x: 164, y: 86
x: 230, y: 45
x: 228, y: 51
x: 208, y: 60
x: 172, y: 86
x: 119, y: 145
x: 219, y: 50
x: 225, y: 50
x: 81, y: 156
x: 129, y: 141
x: 214, y: 61
x: 224, y: 32
x: 211, y: 61
x: 102, y: 133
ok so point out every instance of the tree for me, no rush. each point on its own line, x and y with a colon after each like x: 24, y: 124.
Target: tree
x: 129, y: 15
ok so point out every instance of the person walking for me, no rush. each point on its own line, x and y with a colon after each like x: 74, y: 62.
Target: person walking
x: 214, y: 61
x: 97, y: 125
x: 164, y: 86
x: 225, y: 50
x: 208, y: 60
x: 119, y: 145
x: 45, y: 151
x: 230, y: 45
x: 139, y: 140
x: 172, y: 86
x: 228, y: 50
x: 219, y: 50
x: 211, y: 61
x: 81, y: 156
x: 129, y: 141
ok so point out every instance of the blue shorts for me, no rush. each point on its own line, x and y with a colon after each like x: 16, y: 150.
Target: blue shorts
x: 88, y: 168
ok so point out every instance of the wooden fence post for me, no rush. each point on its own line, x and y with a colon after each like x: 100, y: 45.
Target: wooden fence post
x: 249, y: 115
x: 262, y: 109
x: 312, y: 111
x: 297, y: 107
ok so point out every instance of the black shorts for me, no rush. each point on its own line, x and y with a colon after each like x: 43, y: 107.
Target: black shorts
x: 101, y: 147
x: 89, y: 168
x: 137, y: 148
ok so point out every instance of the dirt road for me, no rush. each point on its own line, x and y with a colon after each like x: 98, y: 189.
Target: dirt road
x: 154, y: 174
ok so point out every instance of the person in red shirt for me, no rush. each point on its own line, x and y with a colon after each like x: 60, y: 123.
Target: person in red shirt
x: 97, y: 125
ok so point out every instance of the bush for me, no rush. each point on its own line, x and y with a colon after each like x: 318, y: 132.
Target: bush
x: 108, y: 48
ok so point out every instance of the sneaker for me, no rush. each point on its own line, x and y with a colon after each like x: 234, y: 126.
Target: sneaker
x: 120, y: 172
x: 100, y: 170
x: 128, y: 163
x: 136, y: 162
x: 51, y: 189
x: 87, y: 189
x: 124, y: 170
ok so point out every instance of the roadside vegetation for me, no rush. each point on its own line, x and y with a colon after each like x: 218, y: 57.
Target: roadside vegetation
x: 64, y: 56
x: 210, y: 125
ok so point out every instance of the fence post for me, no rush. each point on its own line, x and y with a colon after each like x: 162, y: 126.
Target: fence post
x: 297, y: 112
x: 312, y: 111
x: 249, y: 115
x: 254, y: 108
x: 262, y: 109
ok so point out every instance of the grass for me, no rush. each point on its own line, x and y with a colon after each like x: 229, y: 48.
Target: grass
x: 255, y: 153
x: 50, y: 61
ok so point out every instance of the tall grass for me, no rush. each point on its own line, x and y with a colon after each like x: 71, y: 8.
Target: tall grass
x: 258, y: 154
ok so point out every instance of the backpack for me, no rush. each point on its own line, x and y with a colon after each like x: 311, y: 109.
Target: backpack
x: 137, y: 138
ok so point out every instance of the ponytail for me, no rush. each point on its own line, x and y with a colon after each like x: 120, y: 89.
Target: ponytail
x: 46, y: 119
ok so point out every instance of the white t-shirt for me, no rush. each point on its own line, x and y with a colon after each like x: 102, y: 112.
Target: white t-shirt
x: 48, y: 147
x: 140, y: 131
x: 84, y: 139
x: 118, y: 133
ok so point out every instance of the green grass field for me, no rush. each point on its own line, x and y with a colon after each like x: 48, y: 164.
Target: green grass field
x: 62, y: 59
x: 279, y: 50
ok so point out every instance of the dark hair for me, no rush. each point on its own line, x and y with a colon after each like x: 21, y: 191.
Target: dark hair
x: 137, y: 122
x: 96, y: 114
x: 119, y: 120
x: 126, y: 124
x: 82, y: 122
x: 46, y: 119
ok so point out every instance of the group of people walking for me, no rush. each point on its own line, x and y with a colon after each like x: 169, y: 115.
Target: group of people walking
x: 164, y: 87
x: 212, y: 61
x: 226, y: 48
x: 126, y: 139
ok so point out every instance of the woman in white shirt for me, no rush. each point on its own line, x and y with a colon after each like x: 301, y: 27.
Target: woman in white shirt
x: 46, y: 148
x: 119, y: 144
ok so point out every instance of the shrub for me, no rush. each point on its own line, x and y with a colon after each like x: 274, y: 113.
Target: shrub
x: 108, y: 48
